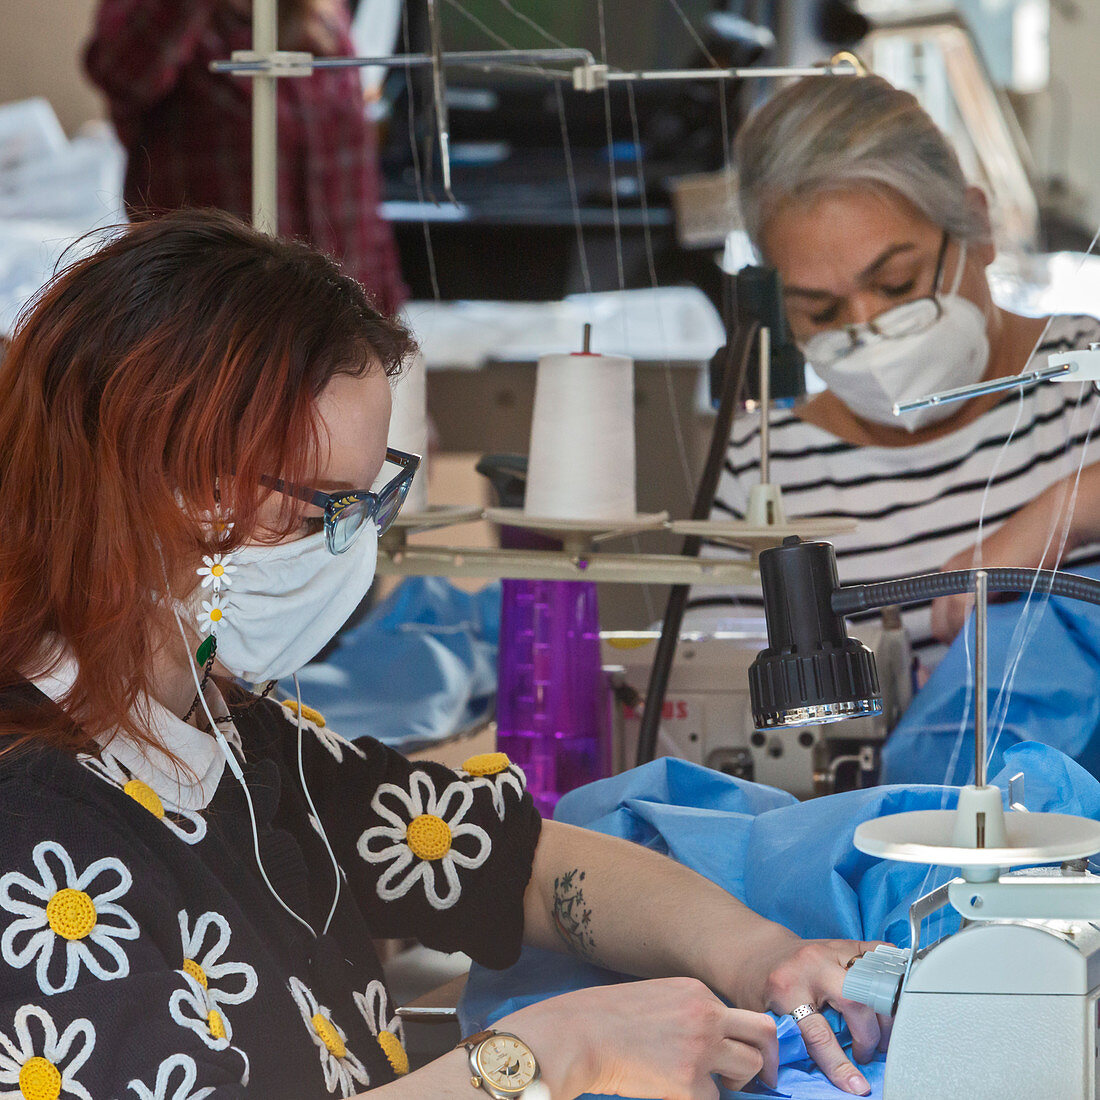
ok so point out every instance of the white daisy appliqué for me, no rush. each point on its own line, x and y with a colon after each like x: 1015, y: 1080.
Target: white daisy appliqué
x: 211, y: 983
x: 340, y: 1066
x: 44, y: 1065
x: 315, y: 724
x: 496, y: 772
x: 188, y: 825
x: 185, y: 1086
x: 73, y: 918
x: 216, y: 571
x: 384, y: 1026
x: 423, y: 838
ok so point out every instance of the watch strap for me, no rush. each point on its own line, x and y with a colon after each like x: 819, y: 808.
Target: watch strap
x: 471, y: 1041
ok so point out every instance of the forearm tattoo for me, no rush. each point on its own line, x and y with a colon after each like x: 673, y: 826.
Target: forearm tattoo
x: 572, y: 919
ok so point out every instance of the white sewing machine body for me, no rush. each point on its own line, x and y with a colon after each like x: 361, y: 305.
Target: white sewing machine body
x: 1007, y: 1007
x: 999, y: 1011
x: 708, y: 716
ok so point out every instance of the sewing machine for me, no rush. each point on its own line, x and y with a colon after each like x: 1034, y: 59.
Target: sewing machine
x: 707, y: 717
x: 1007, y: 1007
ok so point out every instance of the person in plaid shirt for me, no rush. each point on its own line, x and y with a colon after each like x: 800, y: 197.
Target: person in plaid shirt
x: 188, y: 131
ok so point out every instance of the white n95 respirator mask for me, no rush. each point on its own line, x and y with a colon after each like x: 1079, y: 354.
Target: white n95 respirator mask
x: 272, y: 609
x: 906, y: 353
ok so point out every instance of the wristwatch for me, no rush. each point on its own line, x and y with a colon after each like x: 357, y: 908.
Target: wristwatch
x: 504, y: 1066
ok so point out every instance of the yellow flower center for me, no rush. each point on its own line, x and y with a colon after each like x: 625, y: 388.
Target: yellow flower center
x: 308, y: 713
x: 217, y: 570
x: 428, y: 836
x: 191, y: 967
x: 394, y: 1051
x: 216, y: 1024
x: 327, y: 1033
x: 71, y: 913
x: 39, y: 1080
x: 486, y: 763
x: 144, y: 795
x: 215, y: 614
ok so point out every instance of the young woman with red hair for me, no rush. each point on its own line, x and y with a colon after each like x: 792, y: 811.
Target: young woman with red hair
x: 190, y: 875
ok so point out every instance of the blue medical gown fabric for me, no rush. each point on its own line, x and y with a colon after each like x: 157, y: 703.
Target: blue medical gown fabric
x: 1054, y: 696
x: 793, y: 862
x: 419, y: 668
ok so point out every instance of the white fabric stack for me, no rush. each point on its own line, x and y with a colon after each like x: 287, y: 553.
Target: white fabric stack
x: 409, y: 428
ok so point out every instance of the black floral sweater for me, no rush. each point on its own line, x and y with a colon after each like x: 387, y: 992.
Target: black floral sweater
x: 144, y: 956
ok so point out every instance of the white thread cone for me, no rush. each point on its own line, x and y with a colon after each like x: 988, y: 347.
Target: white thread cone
x: 409, y: 428
x: 581, y: 463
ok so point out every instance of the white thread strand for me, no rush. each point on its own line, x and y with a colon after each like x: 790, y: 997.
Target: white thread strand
x: 611, y: 156
x: 418, y: 169
x: 1064, y: 514
x: 677, y: 427
x: 1027, y: 612
x: 571, y: 176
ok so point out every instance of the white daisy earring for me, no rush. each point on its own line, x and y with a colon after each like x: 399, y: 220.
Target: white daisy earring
x: 216, y: 571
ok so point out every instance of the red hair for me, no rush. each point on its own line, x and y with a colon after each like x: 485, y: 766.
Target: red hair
x: 147, y: 390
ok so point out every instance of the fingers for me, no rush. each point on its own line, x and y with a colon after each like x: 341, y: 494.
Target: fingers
x: 864, y: 1027
x: 749, y: 1032
x: 885, y: 1026
x: 823, y: 1048
x: 739, y: 1063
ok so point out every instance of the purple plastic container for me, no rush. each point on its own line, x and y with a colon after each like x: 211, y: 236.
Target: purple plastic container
x: 553, y: 711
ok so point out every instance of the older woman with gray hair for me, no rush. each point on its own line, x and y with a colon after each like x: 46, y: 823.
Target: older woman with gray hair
x: 848, y: 188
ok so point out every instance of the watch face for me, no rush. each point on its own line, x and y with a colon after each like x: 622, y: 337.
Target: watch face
x: 506, y: 1063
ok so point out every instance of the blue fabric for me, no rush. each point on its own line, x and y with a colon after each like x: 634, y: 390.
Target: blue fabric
x: 1053, y: 695
x: 418, y: 669
x: 793, y: 862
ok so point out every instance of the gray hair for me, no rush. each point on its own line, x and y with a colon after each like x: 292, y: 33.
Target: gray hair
x: 839, y: 133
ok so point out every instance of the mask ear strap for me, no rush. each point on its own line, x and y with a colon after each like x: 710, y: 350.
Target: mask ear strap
x: 959, y: 268
x: 233, y: 764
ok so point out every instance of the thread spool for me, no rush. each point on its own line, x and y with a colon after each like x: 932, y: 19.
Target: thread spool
x: 409, y: 428
x: 581, y: 463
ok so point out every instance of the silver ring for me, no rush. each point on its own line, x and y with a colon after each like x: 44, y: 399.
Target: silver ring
x: 801, y: 1012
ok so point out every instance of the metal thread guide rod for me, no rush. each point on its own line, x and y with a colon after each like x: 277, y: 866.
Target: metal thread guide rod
x: 439, y: 98
x: 981, y: 698
x: 765, y: 507
x: 265, y: 139
x: 765, y: 350
x: 981, y: 389
x: 586, y: 345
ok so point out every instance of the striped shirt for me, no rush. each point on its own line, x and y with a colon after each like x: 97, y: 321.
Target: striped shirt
x: 916, y: 506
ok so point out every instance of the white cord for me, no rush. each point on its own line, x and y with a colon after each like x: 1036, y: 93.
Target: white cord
x: 313, y: 810
x: 235, y: 768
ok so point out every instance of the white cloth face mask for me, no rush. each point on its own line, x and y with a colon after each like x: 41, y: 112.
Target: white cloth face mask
x: 871, y: 372
x: 274, y: 608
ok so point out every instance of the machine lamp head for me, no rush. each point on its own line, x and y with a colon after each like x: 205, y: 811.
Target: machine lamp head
x: 811, y: 672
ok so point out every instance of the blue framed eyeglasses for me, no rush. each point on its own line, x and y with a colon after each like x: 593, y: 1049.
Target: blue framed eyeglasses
x: 347, y: 514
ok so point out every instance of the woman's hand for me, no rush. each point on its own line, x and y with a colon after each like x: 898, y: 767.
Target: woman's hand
x: 787, y: 972
x: 663, y: 1038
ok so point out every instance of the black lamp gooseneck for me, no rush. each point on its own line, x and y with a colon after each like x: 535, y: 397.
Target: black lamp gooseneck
x: 812, y: 672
